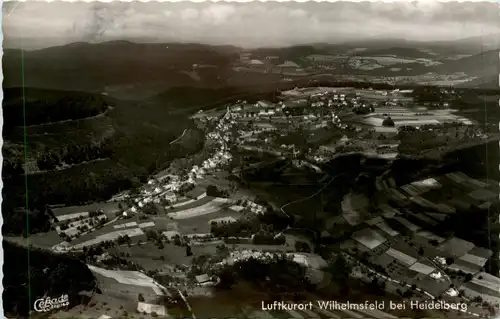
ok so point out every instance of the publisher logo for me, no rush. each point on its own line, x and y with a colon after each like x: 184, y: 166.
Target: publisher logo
x: 48, y: 304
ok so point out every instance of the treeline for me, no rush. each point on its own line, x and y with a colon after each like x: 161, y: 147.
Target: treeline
x: 33, y: 274
x: 31, y: 107
x: 73, y: 186
x: 459, y: 98
x: 74, y: 154
x: 280, y: 277
x: 13, y: 159
x: 264, y: 227
x: 78, y: 185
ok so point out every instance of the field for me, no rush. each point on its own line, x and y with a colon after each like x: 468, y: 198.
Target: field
x: 108, y: 236
x: 79, y: 132
x: 403, y: 116
x: 402, y: 257
x: 109, y: 208
x: 201, y: 223
x: 369, y: 237
x: 40, y: 240
x: 148, y: 255
x: 190, y: 204
x: 207, y: 208
x: 147, y: 128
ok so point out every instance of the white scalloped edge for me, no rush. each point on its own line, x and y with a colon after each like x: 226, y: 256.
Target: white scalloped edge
x: 1, y: 166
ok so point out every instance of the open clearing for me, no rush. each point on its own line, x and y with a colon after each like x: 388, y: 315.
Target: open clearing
x: 148, y: 254
x: 201, y: 224
x: 107, y: 207
x: 208, y: 208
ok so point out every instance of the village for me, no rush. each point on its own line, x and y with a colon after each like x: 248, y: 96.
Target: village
x: 184, y: 224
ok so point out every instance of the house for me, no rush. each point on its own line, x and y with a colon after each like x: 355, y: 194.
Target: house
x: 237, y: 208
x: 223, y: 220
x: 288, y: 64
x: 143, y: 307
x: 169, y: 196
x: 170, y: 234
x: 263, y: 104
x: 256, y: 62
x: 204, y: 280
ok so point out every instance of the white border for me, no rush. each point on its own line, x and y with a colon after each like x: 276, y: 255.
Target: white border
x: 195, y: 1
x: 385, y: 1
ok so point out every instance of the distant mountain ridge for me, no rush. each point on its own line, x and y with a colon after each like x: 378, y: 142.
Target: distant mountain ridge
x: 95, y: 67
x: 129, y: 70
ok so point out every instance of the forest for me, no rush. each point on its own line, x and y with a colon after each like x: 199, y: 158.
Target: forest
x: 41, y: 274
x: 32, y: 107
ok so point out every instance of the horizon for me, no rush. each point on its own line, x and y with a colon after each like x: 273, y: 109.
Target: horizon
x: 244, y: 25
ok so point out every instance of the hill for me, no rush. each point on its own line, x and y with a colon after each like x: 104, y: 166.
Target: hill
x: 37, y: 274
x: 396, y: 51
x: 116, y: 66
x: 77, y: 161
x: 483, y: 65
x: 49, y: 106
x: 471, y: 45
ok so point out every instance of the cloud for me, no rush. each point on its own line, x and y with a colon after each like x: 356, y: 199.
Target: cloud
x: 246, y: 24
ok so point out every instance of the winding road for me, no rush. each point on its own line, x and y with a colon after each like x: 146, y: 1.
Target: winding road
x: 309, y: 197
x: 182, y: 135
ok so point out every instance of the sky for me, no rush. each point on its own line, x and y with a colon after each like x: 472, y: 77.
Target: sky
x: 38, y: 24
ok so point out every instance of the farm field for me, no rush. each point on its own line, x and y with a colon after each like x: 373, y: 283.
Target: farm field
x: 210, y: 207
x: 148, y: 255
x: 109, y: 208
x: 41, y: 240
x: 201, y: 223
x: 190, y: 204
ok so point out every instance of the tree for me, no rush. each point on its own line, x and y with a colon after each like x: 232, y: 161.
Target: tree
x: 150, y: 209
x: 141, y: 298
x: 188, y: 251
x: 388, y: 122
x: 468, y: 277
x: 177, y: 240
x: 227, y: 279
x: 450, y: 261
x: 212, y: 191
x: 151, y: 235
x: 421, y: 251
x: 302, y: 247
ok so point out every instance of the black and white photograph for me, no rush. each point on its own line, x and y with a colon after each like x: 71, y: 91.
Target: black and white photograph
x: 253, y: 160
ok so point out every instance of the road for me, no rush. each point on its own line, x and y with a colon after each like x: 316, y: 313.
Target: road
x: 182, y: 135
x: 309, y: 197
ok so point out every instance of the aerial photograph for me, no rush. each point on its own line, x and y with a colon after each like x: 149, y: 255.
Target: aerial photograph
x: 258, y: 160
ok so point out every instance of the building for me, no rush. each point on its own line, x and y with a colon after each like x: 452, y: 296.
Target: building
x: 148, y: 308
x: 288, y: 64
x: 170, y: 234
x: 204, y: 280
x: 223, y: 220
